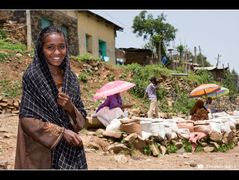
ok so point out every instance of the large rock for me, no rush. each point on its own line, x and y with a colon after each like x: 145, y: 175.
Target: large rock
x: 93, y: 145
x: 216, y: 145
x: 163, y: 149
x: 215, y: 136
x: 99, y: 132
x: 93, y: 123
x: 98, y: 142
x: 131, y: 138
x: 121, y: 158
x: 208, y: 149
x: 132, y: 127
x: 139, y: 144
x: 154, y: 149
x: 118, y: 148
x: 227, y: 138
x: 3, y: 164
x: 112, y: 134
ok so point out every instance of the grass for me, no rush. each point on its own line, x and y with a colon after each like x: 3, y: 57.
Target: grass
x: 4, y: 57
x: 17, y: 47
x: 10, y: 89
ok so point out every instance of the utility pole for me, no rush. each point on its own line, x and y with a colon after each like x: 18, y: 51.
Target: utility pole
x: 29, y: 30
x: 218, y: 56
x: 195, y: 54
x: 202, y: 62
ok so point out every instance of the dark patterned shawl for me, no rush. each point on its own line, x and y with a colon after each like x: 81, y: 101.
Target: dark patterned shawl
x: 39, y: 100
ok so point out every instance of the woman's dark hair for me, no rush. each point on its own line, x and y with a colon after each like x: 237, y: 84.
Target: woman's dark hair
x: 42, y: 35
x: 154, y: 80
x: 209, y: 100
x: 198, y: 105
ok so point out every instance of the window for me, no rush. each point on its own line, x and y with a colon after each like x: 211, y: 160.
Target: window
x: 44, y: 22
x: 88, y: 43
x: 65, y: 30
x: 102, y: 49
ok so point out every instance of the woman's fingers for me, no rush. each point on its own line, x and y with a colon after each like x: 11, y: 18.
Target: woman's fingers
x: 72, y: 138
x: 76, y: 140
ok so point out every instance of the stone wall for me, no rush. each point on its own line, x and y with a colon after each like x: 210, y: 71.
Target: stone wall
x: 59, y: 19
x: 9, y: 105
x: 140, y: 56
x: 14, y: 23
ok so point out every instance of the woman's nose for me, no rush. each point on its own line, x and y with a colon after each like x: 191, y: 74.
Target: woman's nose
x: 57, y: 51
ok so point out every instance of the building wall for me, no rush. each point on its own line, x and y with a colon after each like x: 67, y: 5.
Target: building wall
x: 132, y: 55
x: 18, y: 16
x: 99, y: 30
x: 71, y: 13
x: 59, y: 18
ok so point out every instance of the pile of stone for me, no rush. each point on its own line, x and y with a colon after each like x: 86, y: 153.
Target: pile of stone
x: 160, y: 136
x: 9, y: 105
x: 16, y: 32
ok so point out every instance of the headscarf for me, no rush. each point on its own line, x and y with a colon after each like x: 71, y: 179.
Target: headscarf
x: 198, y: 105
x: 39, y: 100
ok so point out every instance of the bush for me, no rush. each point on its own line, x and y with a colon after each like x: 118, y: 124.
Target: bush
x: 4, y: 57
x: 3, y: 34
x: 87, y: 57
x: 18, y: 47
x: 82, y: 77
x: 10, y: 89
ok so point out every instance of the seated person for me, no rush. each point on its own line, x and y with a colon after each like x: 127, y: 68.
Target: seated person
x: 209, y: 106
x: 110, y: 109
x: 199, y: 112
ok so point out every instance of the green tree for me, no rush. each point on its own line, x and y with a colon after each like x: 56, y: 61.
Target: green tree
x: 157, y: 31
x: 230, y: 81
x: 202, y: 60
x: 181, y: 48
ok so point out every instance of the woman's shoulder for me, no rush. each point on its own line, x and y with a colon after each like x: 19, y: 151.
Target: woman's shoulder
x: 32, y: 70
x: 73, y: 76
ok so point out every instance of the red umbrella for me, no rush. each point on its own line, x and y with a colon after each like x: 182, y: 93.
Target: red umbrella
x: 204, y: 89
x: 113, y: 88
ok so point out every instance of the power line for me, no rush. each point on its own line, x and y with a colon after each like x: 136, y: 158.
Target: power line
x: 117, y: 20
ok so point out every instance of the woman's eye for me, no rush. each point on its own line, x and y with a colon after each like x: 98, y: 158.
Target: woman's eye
x: 62, y: 46
x: 50, y: 47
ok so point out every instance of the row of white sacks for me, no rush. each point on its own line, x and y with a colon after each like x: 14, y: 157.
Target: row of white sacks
x: 170, y: 128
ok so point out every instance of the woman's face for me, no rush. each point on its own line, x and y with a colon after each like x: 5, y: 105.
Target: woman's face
x: 54, y: 49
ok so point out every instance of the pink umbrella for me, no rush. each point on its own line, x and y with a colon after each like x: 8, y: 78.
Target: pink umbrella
x: 113, y: 88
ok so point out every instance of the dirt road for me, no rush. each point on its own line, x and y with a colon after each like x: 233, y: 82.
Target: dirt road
x: 98, y: 160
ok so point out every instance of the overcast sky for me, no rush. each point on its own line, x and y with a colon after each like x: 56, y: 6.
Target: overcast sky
x: 215, y: 31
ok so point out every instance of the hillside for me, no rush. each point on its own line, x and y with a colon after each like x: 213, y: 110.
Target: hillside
x: 92, y: 74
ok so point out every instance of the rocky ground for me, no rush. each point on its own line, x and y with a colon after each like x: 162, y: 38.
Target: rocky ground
x: 99, y: 160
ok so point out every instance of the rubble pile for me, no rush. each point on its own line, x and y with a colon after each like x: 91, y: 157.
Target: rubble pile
x: 9, y: 105
x: 163, y: 136
x: 16, y: 32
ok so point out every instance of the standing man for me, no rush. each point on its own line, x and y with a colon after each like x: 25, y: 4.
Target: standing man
x: 151, y: 92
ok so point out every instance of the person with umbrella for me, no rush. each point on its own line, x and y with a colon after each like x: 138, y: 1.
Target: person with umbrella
x: 199, y: 112
x: 112, y: 107
x: 209, y: 106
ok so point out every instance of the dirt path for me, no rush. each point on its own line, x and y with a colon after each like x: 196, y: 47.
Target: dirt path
x: 100, y: 160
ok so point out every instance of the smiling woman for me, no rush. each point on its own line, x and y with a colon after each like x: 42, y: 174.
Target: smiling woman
x: 51, y: 111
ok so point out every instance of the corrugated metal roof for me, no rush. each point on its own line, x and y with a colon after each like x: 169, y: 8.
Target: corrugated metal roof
x: 209, y: 68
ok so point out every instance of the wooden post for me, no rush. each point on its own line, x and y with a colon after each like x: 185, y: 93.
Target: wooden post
x: 195, y: 54
x: 201, y: 56
x: 29, y: 30
x: 218, y: 56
